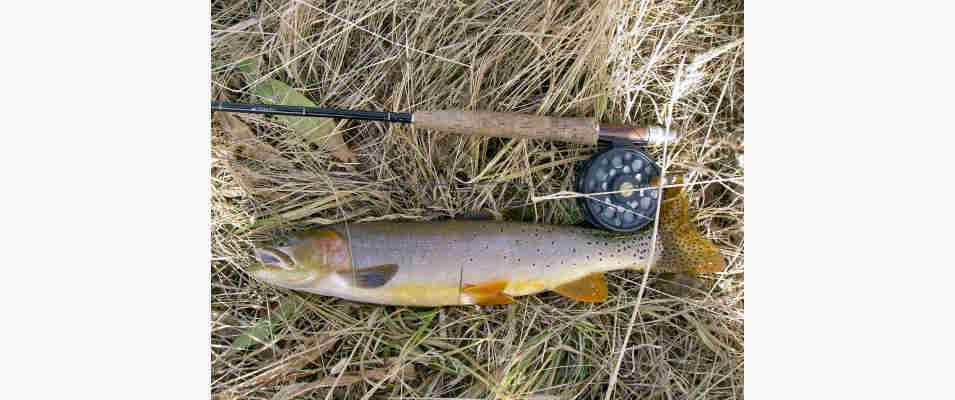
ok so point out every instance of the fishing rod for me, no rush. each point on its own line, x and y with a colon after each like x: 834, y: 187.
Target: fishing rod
x: 478, y: 123
x: 618, y: 173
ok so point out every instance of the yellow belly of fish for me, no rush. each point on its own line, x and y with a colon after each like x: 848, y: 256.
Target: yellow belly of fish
x: 427, y: 295
x: 432, y: 295
x: 499, y: 291
x: 424, y: 295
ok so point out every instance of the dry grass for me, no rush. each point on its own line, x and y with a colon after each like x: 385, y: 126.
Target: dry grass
x: 652, y: 62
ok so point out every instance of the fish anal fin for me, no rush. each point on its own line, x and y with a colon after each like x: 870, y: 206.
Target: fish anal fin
x: 372, y: 277
x: 591, y: 288
x: 485, y: 294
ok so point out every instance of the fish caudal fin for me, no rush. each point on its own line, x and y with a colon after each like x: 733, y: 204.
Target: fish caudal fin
x: 485, y: 294
x: 684, y: 248
x: 591, y: 288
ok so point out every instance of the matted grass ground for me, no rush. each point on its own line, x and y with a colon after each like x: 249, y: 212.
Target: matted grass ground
x: 642, y: 62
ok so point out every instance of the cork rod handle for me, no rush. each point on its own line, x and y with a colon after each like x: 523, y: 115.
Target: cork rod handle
x: 497, y: 124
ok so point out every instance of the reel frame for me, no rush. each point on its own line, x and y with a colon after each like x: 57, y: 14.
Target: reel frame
x: 622, y: 167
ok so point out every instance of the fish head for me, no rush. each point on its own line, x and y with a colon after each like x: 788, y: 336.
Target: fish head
x: 302, y: 261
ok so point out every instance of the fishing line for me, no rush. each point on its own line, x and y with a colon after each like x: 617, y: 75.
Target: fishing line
x: 571, y: 195
x: 354, y: 272
x: 646, y: 271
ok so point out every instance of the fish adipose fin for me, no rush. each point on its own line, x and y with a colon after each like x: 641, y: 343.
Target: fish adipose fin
x: 372, y: 277
x: 486, y: 294
x: 591, y: 288
x: 684, y: 248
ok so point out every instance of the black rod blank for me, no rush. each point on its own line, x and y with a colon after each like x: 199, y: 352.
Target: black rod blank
x: 300, y: 111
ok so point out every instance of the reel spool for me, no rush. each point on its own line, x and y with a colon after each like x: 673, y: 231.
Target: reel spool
x: 619, y: 168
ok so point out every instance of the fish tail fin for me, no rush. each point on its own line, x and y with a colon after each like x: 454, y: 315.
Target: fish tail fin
x: 684, y: 248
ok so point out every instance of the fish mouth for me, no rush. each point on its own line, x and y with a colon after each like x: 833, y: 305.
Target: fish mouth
x: 276, y: 266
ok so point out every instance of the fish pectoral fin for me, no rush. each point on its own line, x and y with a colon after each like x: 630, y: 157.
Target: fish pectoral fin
x: 591, y: 288
x: 372, y: 277
x: 486, y: 294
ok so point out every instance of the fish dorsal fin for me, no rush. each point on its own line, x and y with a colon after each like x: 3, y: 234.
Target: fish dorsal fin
x: 485, y: 294
x: 372, y: 277
x: 684, y: 248
x: 591, y: 288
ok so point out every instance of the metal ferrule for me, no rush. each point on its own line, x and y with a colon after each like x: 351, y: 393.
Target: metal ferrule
x: 653, y: 135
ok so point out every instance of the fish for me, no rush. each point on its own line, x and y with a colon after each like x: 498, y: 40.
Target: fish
x: 479, y: 262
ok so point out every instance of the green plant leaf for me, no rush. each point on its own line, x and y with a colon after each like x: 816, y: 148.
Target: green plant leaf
x: 257, y: 333
x: 318, y: 131
x: 287, y: 313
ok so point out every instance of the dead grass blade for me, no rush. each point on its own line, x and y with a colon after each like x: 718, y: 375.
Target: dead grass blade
x: 312, y: 348
x: 245, y: 142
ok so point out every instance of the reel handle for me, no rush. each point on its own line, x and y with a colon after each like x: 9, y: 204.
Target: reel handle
x: 527, y: 126
x: 510, y: 125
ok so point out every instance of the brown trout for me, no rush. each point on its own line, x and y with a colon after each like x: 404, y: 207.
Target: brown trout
x: 462, y: 262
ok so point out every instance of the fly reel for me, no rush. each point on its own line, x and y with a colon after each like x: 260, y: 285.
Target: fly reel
x: 617, y: 181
